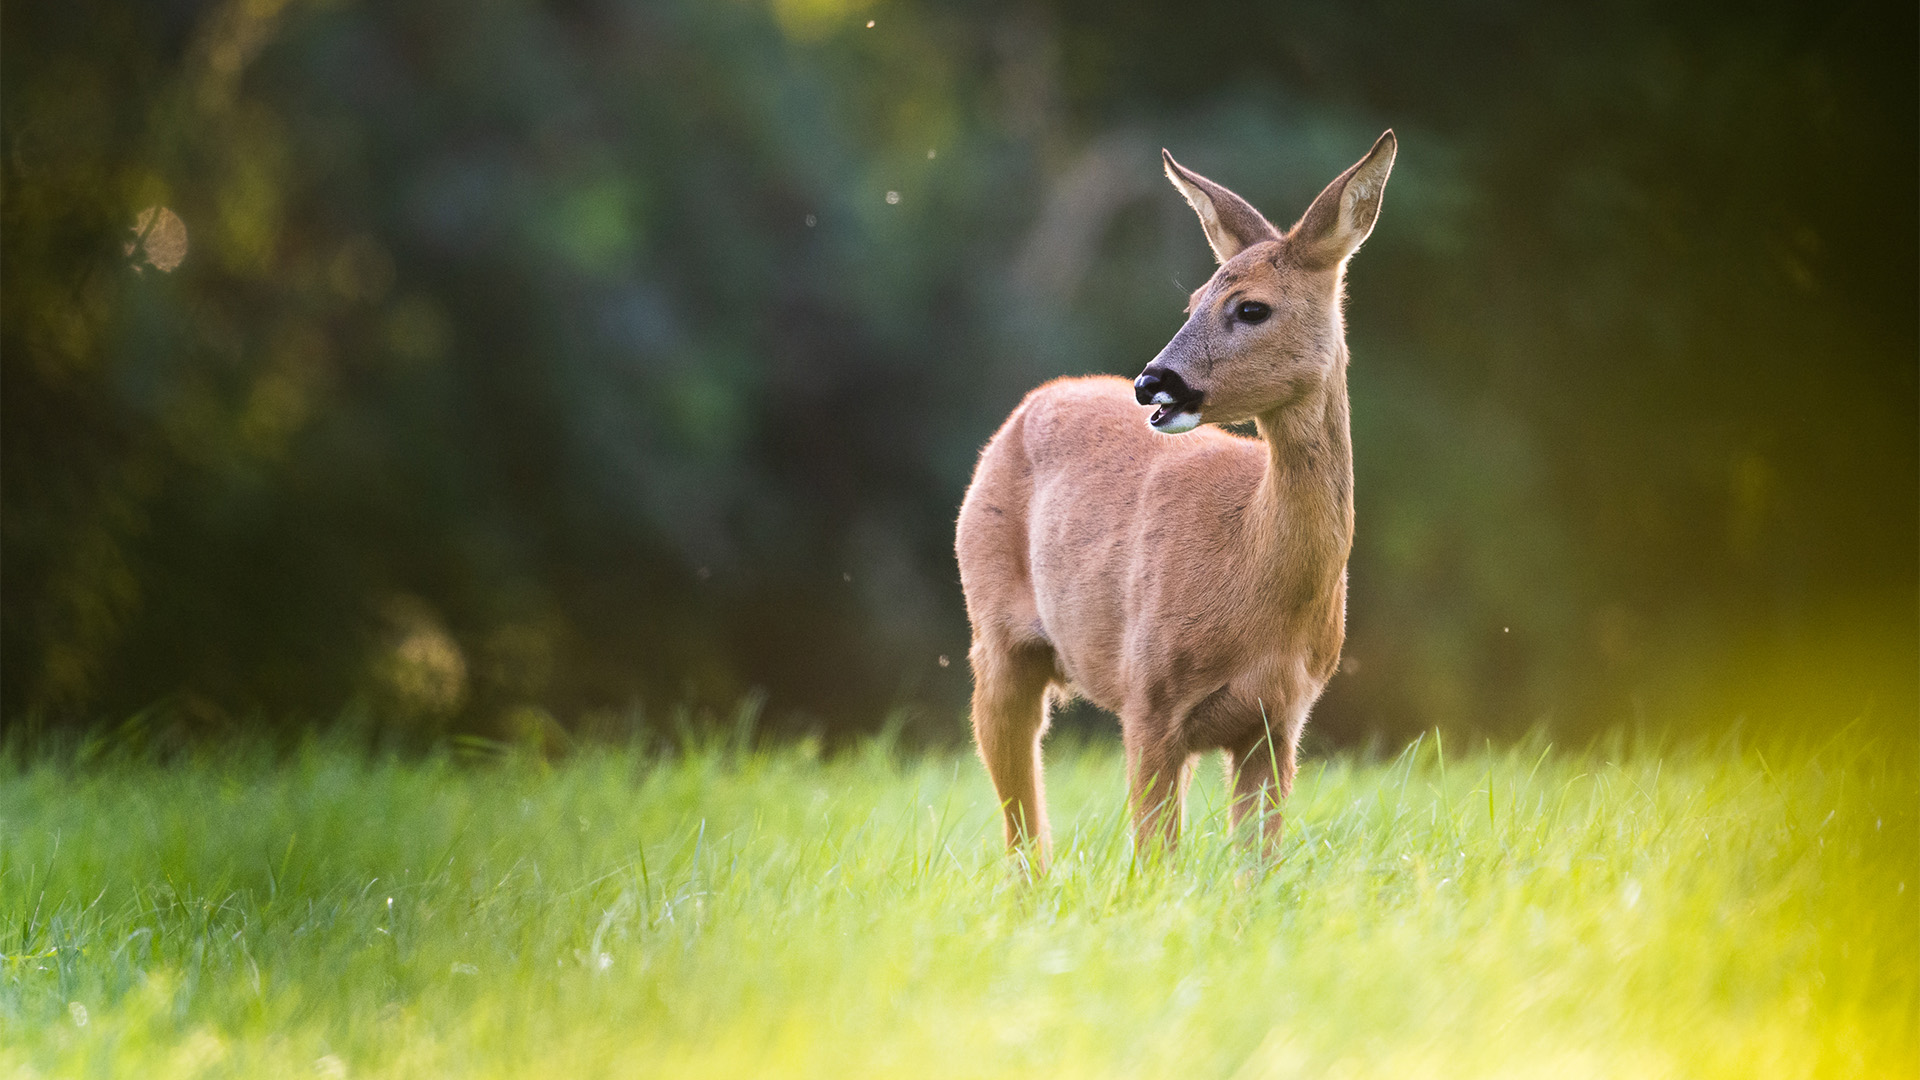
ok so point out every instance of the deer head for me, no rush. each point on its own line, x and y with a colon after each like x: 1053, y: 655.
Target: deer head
x: 1267, y: 326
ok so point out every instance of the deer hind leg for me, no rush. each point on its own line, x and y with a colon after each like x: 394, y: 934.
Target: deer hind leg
x: 1262, y: 777
x: 1009, y: 717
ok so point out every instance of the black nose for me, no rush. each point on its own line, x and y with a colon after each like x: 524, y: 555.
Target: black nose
x: 1157, y: 380
x: 1146, y: 386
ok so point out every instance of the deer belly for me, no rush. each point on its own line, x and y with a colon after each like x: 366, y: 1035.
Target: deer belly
x: 1083, y: 624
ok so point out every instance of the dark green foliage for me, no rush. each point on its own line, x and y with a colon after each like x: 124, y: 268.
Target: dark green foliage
x: 560, y: 357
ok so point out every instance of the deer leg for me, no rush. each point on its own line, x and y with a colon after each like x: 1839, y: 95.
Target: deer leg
x: 1009, y: 718
x: 1262, y: 776
x: 1156, y: 781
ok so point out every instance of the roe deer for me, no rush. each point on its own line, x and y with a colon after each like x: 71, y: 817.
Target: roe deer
x: 1194, y: 585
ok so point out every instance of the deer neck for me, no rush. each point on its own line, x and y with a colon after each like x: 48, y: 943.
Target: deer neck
x: 1301, y: 523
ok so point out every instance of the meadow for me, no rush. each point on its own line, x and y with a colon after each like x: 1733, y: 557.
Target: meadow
x: 1638, y: 907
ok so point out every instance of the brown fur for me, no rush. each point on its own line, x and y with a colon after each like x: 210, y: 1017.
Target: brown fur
x: 1194, y: 584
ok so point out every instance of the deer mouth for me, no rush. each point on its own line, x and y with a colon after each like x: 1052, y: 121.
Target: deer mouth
x: 1178, y: 404
x: 1174, y: 417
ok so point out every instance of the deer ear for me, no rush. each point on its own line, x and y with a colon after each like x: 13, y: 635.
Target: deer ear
x: 1342, y: 216
x: 1232, y: 226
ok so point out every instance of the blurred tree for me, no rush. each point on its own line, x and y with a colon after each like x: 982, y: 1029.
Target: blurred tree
x: 460, y: 361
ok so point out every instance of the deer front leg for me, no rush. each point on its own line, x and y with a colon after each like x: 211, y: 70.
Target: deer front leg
x: 1262, y: 777
x: 1157, y: 786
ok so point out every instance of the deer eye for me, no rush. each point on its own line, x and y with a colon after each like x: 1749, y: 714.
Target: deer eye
x: 1252, y: 311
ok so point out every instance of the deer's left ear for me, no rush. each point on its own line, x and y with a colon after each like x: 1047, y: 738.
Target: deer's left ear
x: 1232, y: 225
x: 1342, y: 216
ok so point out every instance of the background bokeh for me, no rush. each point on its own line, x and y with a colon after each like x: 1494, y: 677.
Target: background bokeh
x: 486, y: 367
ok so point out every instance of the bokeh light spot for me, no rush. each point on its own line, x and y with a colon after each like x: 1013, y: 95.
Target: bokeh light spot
x: 160, y: 237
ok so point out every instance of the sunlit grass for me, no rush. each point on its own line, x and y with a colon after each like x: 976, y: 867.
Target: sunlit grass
x: 1645, y: 912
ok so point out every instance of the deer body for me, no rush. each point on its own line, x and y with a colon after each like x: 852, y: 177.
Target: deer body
x: 1194, y: 583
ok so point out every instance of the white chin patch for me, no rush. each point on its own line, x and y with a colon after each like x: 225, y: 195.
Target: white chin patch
x: 1174, y: 423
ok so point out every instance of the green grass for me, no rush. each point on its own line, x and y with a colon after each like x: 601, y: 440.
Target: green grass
x: 1685, y: 912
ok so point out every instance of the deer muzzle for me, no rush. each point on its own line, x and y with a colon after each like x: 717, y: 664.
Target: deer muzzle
x: 1179, y: 404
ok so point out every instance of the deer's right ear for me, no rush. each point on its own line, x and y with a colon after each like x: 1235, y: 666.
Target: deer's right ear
x: 1231, y: 224
x: 1342, y: 216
